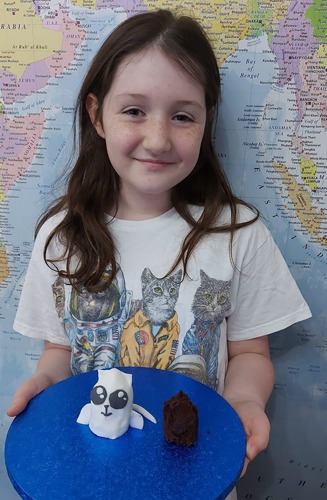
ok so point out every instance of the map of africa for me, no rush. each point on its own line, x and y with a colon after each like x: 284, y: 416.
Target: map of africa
x: 271, y: 137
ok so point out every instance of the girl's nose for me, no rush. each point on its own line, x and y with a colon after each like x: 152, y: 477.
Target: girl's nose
x: 157, y: 138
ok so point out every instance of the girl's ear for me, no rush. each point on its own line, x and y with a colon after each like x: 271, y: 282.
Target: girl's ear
x: 92, y: 104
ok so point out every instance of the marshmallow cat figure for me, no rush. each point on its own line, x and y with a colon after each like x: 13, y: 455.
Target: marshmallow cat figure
x: 112, y: 410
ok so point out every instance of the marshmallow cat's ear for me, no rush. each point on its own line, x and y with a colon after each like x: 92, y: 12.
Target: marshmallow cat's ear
x: 101, y: 375
x: 115, y: 377
x: 128, y: 377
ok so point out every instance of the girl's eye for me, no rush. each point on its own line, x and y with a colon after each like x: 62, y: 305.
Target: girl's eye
x: 133, y: 112
x: 183, y: 118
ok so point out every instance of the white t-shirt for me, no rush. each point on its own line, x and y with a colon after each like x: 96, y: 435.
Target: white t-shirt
x: 143, y: 319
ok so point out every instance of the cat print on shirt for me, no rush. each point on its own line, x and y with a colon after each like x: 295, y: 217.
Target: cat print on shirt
x: 94, y: 324
x: 212, y: 300
x: 88, y: 306
x: 107, y: 328
x: 150, y: 337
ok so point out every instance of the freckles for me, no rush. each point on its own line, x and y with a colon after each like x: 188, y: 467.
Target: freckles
x: 195, y: 134
x: 193, y: 137
x: 118, y: 133
x: 116, y: 129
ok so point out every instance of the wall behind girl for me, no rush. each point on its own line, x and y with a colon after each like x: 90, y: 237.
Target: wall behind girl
x: 149, y: 259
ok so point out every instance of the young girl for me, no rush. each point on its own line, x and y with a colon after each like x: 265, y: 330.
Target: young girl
x: 149, y: 259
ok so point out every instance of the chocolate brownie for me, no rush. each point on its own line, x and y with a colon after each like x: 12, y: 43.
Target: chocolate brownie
x: 180, y: 420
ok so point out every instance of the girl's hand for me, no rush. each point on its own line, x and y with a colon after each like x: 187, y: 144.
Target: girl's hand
x: 248, y: 385
x: 53, y: 366
x: 256, y: 426
x: 25, y: 392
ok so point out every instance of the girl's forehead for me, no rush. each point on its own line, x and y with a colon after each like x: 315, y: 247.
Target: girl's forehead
x: 152, y: 65
x: 148, y: 56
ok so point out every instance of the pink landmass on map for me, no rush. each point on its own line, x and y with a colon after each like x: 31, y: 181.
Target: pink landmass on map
x: 313, y: 92
x: 293, y: 41
x: 18, y: 143
x: 73, y: 36
x: 36, y: 76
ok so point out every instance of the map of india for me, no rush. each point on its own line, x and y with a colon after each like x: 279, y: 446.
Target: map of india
x: 271, y: 138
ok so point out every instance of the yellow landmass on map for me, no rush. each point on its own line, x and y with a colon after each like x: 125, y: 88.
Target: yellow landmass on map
x: 229, y: 21
x: 4, y: 268
x: 308, y: 173
x: 225, y: 22
x: 310, y: 218
x: 322, y: 55
x: 86, y: 4
x: 23, y: 37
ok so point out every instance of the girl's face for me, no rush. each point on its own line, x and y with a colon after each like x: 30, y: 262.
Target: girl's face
x: 153, y: 121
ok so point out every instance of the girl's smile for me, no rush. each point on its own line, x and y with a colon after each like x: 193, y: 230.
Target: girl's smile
x: 153, y: 164
x: 153, y: 122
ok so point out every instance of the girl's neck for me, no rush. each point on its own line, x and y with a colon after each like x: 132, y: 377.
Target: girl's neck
x: 143, y: 208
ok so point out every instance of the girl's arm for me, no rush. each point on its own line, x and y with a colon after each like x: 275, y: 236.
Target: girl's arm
x: 53, y: 366
x: 248, y: 385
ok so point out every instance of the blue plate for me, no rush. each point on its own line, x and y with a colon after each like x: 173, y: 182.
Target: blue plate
x: 50, y: 456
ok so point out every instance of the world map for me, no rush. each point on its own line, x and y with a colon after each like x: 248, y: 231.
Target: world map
x: 271, y: 137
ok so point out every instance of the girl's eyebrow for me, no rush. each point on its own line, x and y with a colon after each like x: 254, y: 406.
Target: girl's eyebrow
x: 190, y: 103
x: 130, y: 94
x: 177, y: 103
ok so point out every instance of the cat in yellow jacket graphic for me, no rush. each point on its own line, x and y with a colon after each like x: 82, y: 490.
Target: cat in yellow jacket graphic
x: 150, y: 337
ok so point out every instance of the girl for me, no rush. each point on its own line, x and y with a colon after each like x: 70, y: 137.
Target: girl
x: 149, y: 259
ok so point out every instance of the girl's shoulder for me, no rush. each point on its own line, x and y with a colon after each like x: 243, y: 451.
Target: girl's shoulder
x: 253, y: 230
x: 252, y: 236
x: 245, y: 215
x: 47, y: 228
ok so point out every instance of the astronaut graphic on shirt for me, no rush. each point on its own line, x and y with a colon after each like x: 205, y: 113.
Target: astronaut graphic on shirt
x: 94, y: 322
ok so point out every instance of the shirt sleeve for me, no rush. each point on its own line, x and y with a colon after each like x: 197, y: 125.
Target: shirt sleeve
x: 36, y: 315
x: 265, y: 296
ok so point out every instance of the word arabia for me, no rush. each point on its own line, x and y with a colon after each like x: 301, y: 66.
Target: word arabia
x: 13, y: 26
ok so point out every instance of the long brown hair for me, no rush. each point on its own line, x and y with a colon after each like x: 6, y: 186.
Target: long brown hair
x: 93, y: 183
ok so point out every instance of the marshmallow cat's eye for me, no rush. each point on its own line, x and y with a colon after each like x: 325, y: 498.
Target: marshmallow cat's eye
x: 98, y: 395
x: 118, y: 399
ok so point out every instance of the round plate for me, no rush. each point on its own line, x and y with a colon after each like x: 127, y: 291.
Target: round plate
x: 49, y: 455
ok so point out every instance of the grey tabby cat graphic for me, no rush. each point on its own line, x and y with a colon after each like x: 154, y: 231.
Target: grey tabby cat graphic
x: 159, y: 296
x: 211, y: 302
